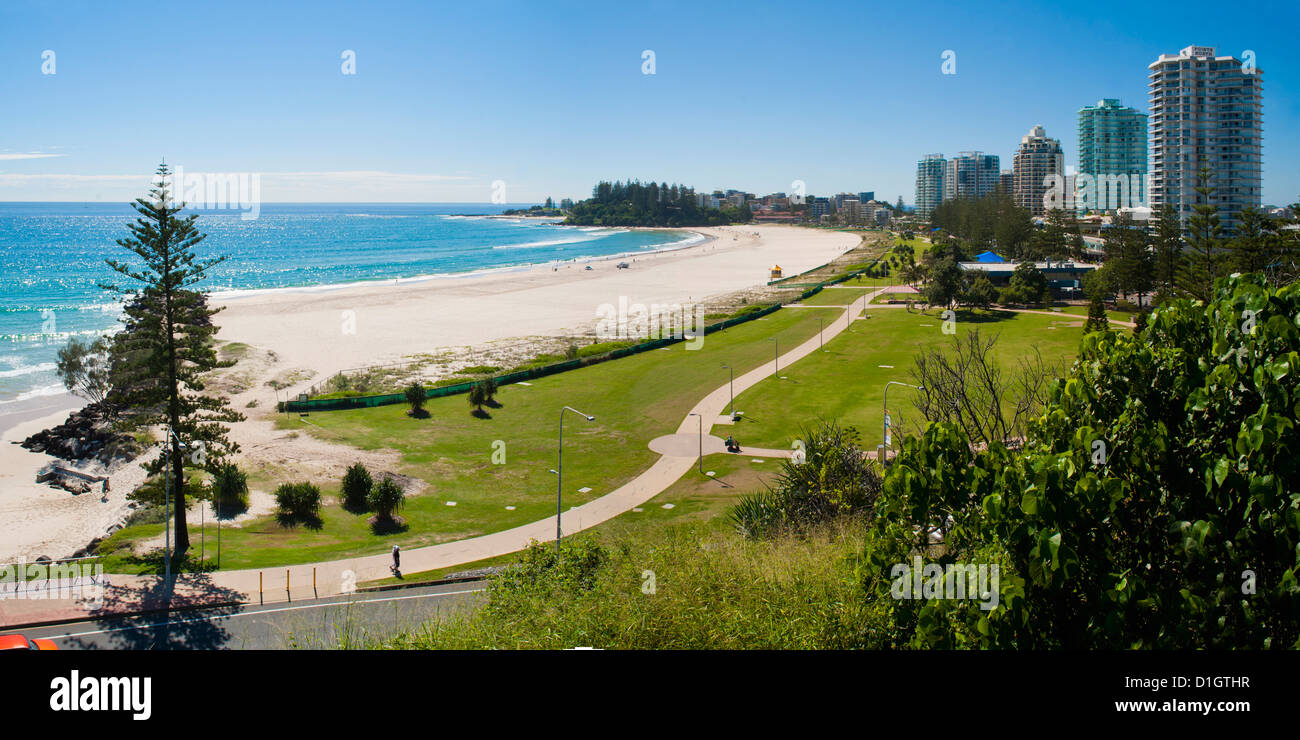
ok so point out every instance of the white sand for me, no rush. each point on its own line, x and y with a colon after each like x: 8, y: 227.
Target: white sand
x: 305, y: 329
x: 393, y: 320
x: 40, y: 520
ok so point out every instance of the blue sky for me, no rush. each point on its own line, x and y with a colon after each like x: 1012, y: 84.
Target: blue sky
x: 550, y: 97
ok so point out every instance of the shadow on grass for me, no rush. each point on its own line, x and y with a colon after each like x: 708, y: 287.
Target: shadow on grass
x: 418, y: 413
x: 383, y: 526
x: 480, y: 414
x: 492, y: 403
x: 289, y: 521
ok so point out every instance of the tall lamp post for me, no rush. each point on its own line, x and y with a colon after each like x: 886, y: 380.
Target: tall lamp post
x: 559, y: 471
x: 731, y: 384
x: 884, y: 422
x: 776, y: 358
x: 701, y: 417
x: 821, y: 328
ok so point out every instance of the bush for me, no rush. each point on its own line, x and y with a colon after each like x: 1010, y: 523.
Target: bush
x: 298, y: 500
x: 415, y: 397
x: 1159, y: 484
x: 836, y: 478
x: 386, y: 498
x: 355, y: 490
x: 230, y: 489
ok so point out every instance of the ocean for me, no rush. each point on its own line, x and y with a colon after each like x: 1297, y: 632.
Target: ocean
x: 52, y: 259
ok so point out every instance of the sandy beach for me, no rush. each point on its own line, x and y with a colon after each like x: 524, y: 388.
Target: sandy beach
x: 331, y: 330
x: 302, y: 336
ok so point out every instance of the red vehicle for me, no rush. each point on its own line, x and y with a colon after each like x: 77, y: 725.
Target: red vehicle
x: 18, y: 642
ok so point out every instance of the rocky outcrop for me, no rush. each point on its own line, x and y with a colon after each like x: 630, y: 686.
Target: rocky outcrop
x: 85, y: 435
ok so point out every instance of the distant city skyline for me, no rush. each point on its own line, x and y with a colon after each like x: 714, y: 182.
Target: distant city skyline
x: 452, y: 104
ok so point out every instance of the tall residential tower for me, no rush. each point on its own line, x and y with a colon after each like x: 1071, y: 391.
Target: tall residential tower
x: 971, y: 175
x: 1205, y: 112
x: 1112, y: 157
x: 1039, y: 166
x: 930, y: 173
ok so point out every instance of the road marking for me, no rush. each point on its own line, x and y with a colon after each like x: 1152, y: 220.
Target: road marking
x: 265, y: 611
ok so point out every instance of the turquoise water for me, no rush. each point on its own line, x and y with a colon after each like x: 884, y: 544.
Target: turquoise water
x: 52, y: 256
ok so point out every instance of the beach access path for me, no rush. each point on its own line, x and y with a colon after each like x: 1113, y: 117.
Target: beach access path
x: 319, y: 580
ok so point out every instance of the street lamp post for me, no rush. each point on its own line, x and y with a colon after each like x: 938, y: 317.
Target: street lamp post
x: 776, y: 358
x: 731, y: 384
x: 701, y: 417
x: 559, y: 472
x: 821, y: 328
x: 884, y: 422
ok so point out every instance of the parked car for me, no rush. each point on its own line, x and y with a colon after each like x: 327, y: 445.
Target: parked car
x: 18, y: 642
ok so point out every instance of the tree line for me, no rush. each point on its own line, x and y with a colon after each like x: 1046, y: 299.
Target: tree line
x: 634, y: 203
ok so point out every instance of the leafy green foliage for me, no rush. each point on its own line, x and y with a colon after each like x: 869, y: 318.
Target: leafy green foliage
x: 83, y: 368
x: 229, y: 488
x: 298, y: 501
x: 835, y: 478
x: 415, y: 397
x: 1154, y: 505
x: 386, y: 498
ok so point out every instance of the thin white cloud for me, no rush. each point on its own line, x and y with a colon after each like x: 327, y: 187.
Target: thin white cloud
x: 27, y: 155
x: 357, y: 186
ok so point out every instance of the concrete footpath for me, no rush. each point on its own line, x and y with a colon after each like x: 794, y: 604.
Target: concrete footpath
x: 129, y: 594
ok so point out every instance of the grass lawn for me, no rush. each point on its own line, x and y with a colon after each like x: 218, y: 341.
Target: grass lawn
x: 694, y: 498
x: 847, y: 381
x: 839, y: 296
x: 634, y: 400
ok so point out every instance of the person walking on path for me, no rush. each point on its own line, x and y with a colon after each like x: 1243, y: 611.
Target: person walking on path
x: 397, y: 560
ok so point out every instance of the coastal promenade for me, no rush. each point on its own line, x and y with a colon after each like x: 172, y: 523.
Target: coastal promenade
x: 679, y: 451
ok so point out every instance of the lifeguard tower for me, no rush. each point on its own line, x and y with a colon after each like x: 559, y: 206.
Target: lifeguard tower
x: 776, y: 272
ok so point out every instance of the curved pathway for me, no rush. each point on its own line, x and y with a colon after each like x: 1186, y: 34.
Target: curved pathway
x: 678, y: 454
x: 336, y: 576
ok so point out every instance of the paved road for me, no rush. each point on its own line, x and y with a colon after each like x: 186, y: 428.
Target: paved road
x: 315, y: 624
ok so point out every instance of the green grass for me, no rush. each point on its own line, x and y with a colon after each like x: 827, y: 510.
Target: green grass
x: 695, y: 498
x: 838, y: 296
x: 847, y: 383
x: 634, y: 399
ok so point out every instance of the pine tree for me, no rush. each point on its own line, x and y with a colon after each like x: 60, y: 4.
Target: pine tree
x: 1204, y: 234
x: 158, y: 360
x: 1168, y: 245
x: 1253, y: 245
x: 1097, y: 319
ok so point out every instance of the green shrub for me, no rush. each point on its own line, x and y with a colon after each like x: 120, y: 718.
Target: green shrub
x: 355, y: 490
x: 836, y: 478
x: 415, y: 398
x: 298, y: 500
x: 1153, y: 505
x: 386, y: 498
x: 230, y: 488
